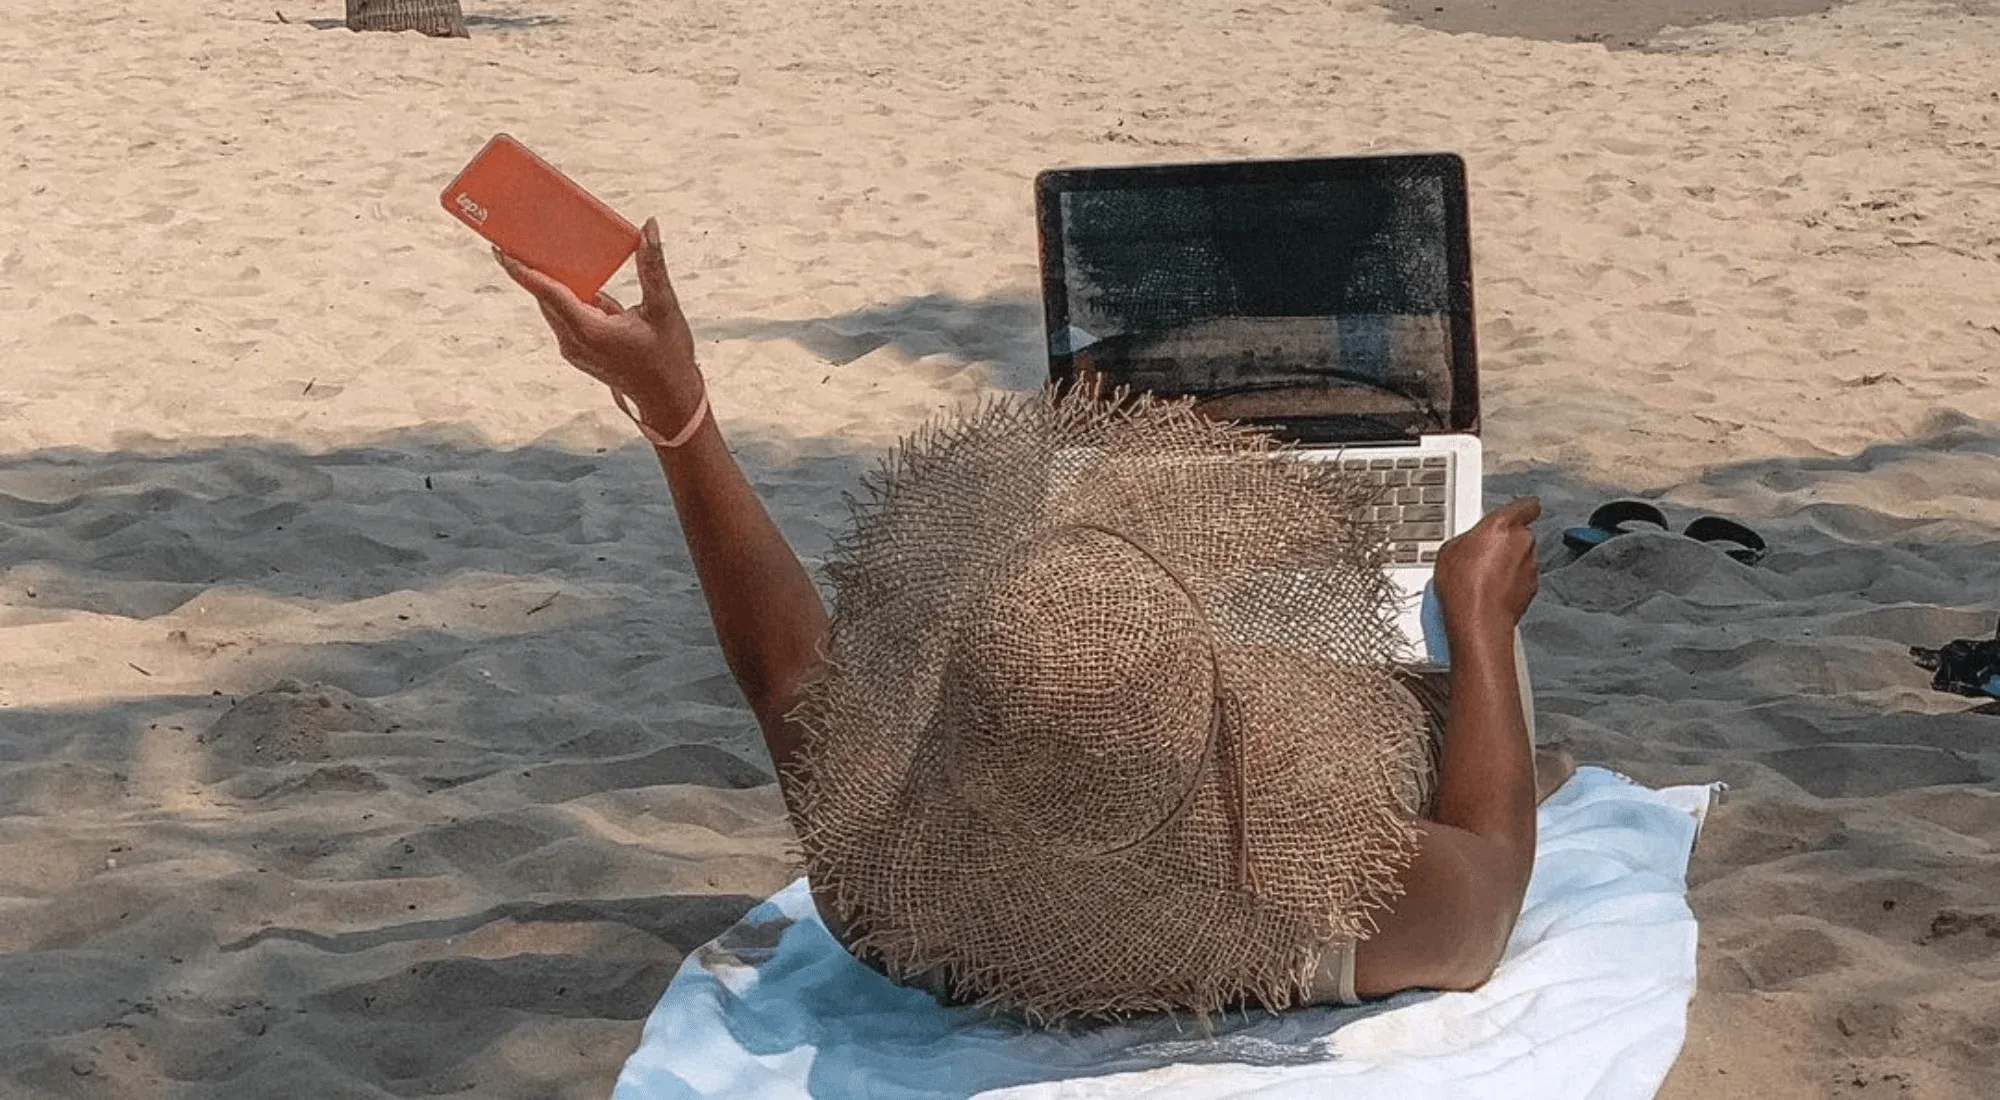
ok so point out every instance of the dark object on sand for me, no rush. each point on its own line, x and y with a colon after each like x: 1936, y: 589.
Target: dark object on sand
x: 1748, y: 545
x: 437, y: 18
x: 1615, y: 519
x: 1609, y: 521
x: 1964, y: 667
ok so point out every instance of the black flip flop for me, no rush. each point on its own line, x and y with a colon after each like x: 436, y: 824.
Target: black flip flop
x: 1748, y: 546
x: 1968, y: 666
x: 1609, y: 521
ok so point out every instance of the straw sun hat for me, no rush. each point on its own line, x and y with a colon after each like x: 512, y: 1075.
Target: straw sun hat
x: 1110, y: 723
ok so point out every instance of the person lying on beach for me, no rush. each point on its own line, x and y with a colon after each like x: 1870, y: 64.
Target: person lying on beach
x: 1417, y: 830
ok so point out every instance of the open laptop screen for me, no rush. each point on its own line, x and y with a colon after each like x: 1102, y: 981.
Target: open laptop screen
x: 1327, y: 300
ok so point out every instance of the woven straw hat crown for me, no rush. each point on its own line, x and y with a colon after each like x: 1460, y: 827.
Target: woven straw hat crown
x: 1092, y: 758
x: 1109, y: 723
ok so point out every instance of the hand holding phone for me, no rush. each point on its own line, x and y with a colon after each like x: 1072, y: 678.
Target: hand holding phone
x: 561, y: 244
x: 645, y: 354
x: 540, y: 217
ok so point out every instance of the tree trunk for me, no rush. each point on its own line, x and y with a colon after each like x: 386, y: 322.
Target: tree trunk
x: 437, y: 18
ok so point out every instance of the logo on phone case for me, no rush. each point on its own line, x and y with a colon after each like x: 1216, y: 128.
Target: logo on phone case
x: 472, y: 209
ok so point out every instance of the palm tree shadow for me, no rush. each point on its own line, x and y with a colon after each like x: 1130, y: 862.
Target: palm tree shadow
x: 461, y: 698
x: 534, y: 748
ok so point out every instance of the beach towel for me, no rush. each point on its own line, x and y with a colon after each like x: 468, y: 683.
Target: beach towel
x: 1590, y: 1001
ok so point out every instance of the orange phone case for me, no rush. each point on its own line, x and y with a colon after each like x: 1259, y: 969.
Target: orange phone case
x: 540, y: 217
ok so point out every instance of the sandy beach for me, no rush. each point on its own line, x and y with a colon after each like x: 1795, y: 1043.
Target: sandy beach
x: 362, y: 733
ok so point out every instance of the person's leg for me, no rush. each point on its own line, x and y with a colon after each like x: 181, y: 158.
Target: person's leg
x: 1432, y: 689
x: 1553, y: 763
x: 1527, y: 687
x: 1553, y: 767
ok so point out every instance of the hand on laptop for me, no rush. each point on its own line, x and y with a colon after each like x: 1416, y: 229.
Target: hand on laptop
x: 646, y: 353
x: 1486, y: 577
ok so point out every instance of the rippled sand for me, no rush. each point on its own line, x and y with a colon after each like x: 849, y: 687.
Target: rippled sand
x: 361, y: 730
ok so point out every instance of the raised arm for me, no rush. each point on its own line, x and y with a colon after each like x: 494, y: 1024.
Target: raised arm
x: 1463, y: 891
x: 767, y: 614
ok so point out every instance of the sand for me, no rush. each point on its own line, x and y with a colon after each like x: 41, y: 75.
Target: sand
x: 361, y: 732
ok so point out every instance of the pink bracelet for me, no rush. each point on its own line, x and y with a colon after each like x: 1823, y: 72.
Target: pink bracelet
x: 652, y: 435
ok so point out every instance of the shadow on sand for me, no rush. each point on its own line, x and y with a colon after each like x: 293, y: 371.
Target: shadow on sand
x: 486, y: 828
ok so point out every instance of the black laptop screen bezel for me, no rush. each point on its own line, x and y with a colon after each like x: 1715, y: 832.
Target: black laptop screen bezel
x: 1447, y: 168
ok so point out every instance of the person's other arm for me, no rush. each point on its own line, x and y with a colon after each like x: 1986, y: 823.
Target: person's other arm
x: 767, y: 613
x: 1463, y: 891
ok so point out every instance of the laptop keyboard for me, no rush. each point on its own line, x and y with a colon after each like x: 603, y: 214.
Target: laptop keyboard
x: 1415, y: 503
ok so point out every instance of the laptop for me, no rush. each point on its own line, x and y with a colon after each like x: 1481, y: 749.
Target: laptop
x: 1325, y: 301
